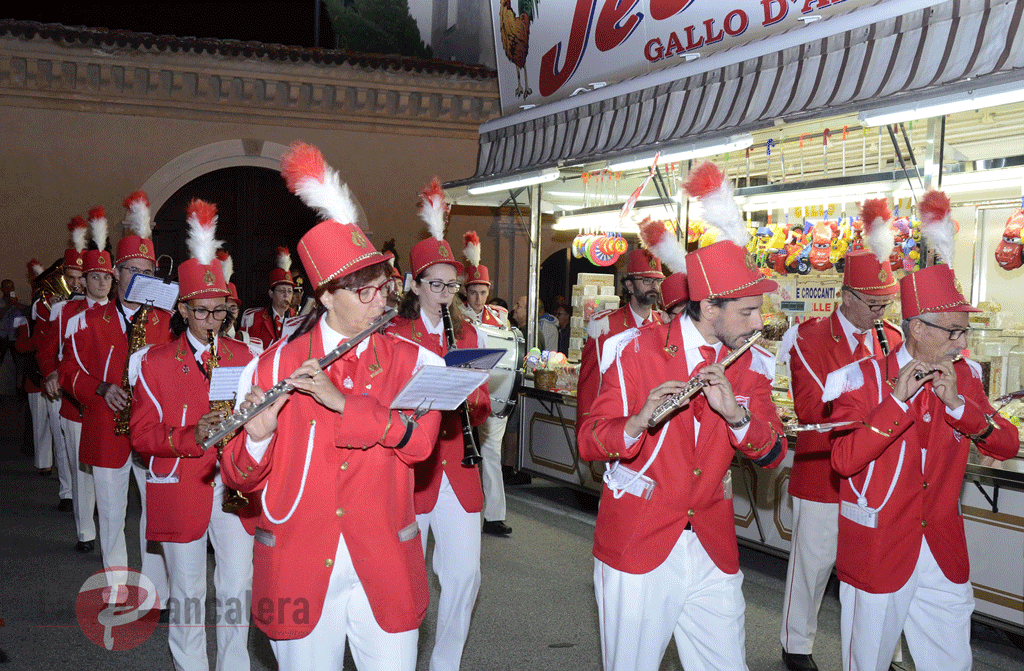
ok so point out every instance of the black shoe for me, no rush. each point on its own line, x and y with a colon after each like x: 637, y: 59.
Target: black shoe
x: 517, y: 478
x: 497, y: 528
x: 64, y: 506
x: 799, y: 662
x: 85, y: 546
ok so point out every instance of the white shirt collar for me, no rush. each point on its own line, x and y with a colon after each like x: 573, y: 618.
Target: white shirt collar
x: 693, y: 340
x: 849, y: 330
x: 198, y: 345
x: 435, y: 330
x: 637, y: 319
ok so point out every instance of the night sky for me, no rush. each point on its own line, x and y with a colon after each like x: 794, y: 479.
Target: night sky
x: 289, y: 23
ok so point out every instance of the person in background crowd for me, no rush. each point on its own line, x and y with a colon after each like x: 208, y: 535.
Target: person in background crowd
x: 902, y: 555
x: 266, y: 324
x: 813, y: 349
x: 562, y: 313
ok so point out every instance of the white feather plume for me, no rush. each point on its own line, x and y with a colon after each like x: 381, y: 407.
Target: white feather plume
x: 137, y: 220
x: 98, y: 227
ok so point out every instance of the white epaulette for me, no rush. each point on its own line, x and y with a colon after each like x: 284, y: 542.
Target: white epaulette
x: 424, y: 356
x: 763, y: 362
x: 135, y: 364
x: 248, y: 318
x: 613, y: 347
x: 75, y: 324
x: 975, y: 368
x: 291, y: 325
x: 20, y: 320
x: 846, y: 379
x: 599, y: 324
x: 788, y: 343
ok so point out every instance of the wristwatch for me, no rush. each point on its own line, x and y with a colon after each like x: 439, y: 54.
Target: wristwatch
x: 743, y: 422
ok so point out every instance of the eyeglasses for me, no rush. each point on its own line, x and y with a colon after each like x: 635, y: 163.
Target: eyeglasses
x: 204, y: 313
x: 954, y: 334
x: 647, y: 282
x: 874, y: 307
x: 368, y: 293
x: 138, y: 271
x: 437, y: 286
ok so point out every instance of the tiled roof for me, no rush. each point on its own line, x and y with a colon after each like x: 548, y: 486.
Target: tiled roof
x: 275, y: 52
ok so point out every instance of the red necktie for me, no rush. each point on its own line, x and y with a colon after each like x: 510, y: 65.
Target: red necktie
x: 862, y: 350
x: 700, y: 401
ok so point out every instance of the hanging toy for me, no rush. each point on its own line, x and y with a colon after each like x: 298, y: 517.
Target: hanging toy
x: 1010, y: 252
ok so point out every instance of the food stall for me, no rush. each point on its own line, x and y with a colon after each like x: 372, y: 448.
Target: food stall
x: 808, y: 110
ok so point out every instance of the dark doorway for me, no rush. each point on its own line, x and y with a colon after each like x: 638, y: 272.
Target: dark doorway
x: 256, y: 214
x: 558, y: 274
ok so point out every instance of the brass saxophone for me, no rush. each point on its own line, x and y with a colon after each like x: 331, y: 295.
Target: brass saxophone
x: 233, y: 499
x: 136, y: 341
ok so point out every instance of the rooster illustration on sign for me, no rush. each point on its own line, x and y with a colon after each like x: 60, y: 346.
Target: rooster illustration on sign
x: 515, y: 38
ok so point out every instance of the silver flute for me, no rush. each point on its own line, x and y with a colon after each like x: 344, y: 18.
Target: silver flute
x: 680, y: 398
x: 240, y: 417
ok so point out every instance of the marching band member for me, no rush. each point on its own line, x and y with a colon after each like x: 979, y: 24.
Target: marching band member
x: 813, y: 349
x: 666, y: 560
x: 492, y: 430
x: 641, y: 288
x: 902, y: 559
x: 94, y: 371
x: 186, y: 500
x: 265, y: 324
x: 337, y: 554
x: 50, y: 350
x: 449, y: 497
x: 664, y: 246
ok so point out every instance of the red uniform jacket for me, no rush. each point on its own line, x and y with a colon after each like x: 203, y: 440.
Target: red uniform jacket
x: 636, y: 535
x: 814, y: 349
x: 97, y: 352
x: 52, y: 344
x: 24, y: 343
x: 494, y: 315
x: 446, y: 458
x: 259, y: 323
x: 602, y: 325
x: 332, y: 474
x: 925, y: 502
x: 169, y: 396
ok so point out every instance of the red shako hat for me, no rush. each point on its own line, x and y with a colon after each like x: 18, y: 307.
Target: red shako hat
x: 73, y: 254
x: 337, y: 246
x: 435, y: 249
x: 282, y: 273
x: 227, y: 266
x: 202, y: 276
x: 97, y: 260
x: 136, y: 241
x: 475, y: 273
x: 724, y: 270
x: 864, y: 273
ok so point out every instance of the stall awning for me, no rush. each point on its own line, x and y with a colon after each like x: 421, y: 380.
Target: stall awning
x: 935, y: 49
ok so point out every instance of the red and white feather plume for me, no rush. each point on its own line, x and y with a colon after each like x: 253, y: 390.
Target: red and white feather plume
x: 879, y: 234
x: 202, y: 242
x: 708, y: 185
x: 937, y: 225
x: 471, y: 250
x: 433, y: 210
x: 78, y: 229
x: 227, y: 264
x: 284, y: 258
x: 35, y: 269
x: 663, y: 244
x: 317, y: 184
x: 137, y: 219
x: 98, y: 227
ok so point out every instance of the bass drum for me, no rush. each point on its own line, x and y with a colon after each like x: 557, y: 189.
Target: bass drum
x: 506, y: 377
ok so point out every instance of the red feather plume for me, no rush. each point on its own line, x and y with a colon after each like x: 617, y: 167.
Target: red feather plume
x: 934, y: 207
x: 873, y: 208
x: 704, y: 179
x: 134, y: 197
x: 302, y: 161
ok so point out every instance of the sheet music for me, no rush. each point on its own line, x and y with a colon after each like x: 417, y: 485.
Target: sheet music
x: 224, y: 382
x: 479, y: 358
x: 153, y: 290
x: 438, y: 387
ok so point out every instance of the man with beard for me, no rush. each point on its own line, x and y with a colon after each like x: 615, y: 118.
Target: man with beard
x: 666, y: 561
x: 642, y: 290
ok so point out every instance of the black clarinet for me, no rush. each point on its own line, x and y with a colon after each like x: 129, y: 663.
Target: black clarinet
x: 471, y: 454
x: 883, y: 342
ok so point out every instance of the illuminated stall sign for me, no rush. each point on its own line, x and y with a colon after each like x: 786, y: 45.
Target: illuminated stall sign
x: 549, y: 50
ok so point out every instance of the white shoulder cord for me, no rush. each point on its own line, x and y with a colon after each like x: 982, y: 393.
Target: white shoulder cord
x: 305, y: 466
x: 608, y: 476
x: 862, y: 500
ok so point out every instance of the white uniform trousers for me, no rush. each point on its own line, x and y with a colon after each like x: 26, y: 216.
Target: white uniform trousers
x: 933, y: 613
x: 491, y: 432
x: 232, y: 578
x: 112, y: 504
x: 42, y: 442
x: 456, y: 563
x: 811, y: 558
x: 686, y: 596
x: 347, y: 615
x: 83, y: 489
x: 65, y: 474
